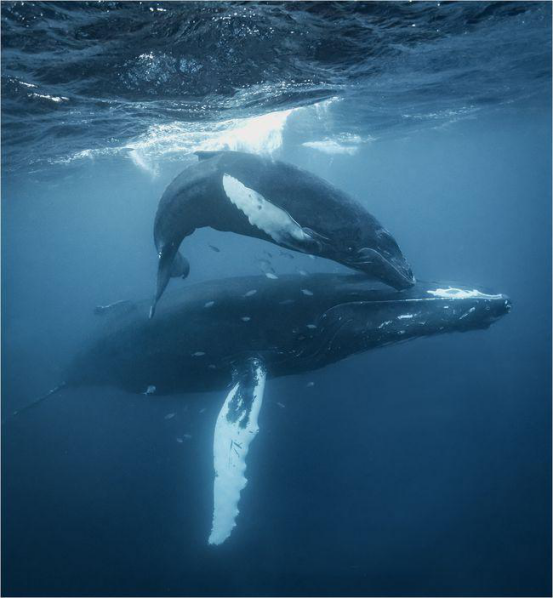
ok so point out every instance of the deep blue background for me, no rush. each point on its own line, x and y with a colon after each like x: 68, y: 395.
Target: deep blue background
x: 423, y: 469
x: 420, y: 470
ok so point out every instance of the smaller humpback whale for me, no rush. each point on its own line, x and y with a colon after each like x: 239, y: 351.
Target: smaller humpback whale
x: 277, y: 202
x: 297, y: 325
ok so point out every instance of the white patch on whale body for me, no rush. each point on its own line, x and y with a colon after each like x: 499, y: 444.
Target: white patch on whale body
x: 453, y: 293
x: 405, y: 316
x: 471, y: 310
x: 230, y: 449
x: 264, y: 215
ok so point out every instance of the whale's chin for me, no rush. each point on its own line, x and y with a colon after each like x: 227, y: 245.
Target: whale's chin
x: 393, y: 271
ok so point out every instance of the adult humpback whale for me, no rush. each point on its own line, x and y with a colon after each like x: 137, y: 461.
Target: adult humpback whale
x: 276, y: 202
x: 238, y: 332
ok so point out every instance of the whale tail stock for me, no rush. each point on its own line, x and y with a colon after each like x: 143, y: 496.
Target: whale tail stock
x: 172, y: 264
x: 40, y: 399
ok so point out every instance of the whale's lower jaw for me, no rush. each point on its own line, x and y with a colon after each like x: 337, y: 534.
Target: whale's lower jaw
x: 391, y: 270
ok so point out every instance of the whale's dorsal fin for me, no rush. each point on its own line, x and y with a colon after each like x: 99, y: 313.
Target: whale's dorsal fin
x: 236, y: 427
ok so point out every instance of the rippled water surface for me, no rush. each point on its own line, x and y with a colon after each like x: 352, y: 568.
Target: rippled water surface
x: 157, y: 79
x: 423, y: 469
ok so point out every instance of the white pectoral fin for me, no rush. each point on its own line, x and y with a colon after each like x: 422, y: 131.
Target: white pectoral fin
x: 235, y: 429
x: 266, y: 216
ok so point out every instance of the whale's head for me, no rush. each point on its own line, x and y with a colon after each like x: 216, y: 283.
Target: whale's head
x: 364, y: 318
x: 379, y: 255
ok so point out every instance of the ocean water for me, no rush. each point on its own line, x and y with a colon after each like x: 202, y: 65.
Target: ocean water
x: 423, y: 469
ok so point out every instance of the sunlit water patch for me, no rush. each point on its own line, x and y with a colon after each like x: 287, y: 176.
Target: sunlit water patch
x: 158, y: 79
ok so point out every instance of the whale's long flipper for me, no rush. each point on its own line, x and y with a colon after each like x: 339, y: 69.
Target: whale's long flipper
x: 272, y: 220
x: 236, y: 427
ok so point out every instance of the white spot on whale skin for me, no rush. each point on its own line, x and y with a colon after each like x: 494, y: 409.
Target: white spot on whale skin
x: 169, y: 416
x: 250, y: 293
x: 245, y: 318
x: 471, y: 310
x: 179, y: 440
x: 307, y: 292
x: 209, y: 304
x: 263, y: 214
x: 405, y: 316
x: 310, y: 384
x: 198, y: 354
x: 287, y: 302
x: 281, y: 405
x: 271, y: 275
x: 187, y: 436
x: 303, y: 273
x: 150, y: 390
x: 453, y: 293
x: 311, y: 326
x: 385, y: 323
x: 212, y: 366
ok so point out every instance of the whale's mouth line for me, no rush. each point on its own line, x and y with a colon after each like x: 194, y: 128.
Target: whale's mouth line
x: 408, y: 279
x: 325, y: 339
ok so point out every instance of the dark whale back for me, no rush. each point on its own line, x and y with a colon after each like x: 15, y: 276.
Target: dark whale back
x: 293, y: 324
x: 309, y: 199
x: 201, y: 330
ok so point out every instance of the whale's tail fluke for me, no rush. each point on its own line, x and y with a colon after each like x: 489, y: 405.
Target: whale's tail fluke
x: 40, y: 399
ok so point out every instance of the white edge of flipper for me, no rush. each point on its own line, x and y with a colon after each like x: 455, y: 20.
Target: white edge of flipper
x: 235, y: 429
x: 264, y: 215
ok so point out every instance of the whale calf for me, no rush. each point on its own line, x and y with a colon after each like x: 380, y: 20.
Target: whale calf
x: 277, y: 202
x: 244, y: 338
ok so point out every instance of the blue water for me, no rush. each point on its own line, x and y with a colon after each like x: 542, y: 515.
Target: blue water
x: 420, y: 470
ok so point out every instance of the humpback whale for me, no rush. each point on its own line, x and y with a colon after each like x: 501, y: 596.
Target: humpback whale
x: 223, y: 336
x: 277, y: 202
